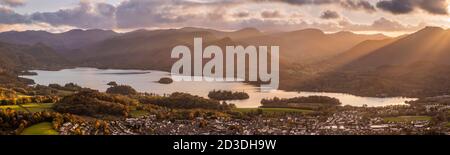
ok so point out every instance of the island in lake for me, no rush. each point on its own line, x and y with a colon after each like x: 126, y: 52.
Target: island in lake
x: 165, y: 80
x: 227, y: 95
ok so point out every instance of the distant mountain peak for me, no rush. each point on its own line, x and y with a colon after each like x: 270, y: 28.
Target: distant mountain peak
x: 431, y: 29
x: 427, y: 32
x: 249, y: 30
x: 349, y: 33
x: 344, y: 33
x: 29, y: 32
x: 75, y: 30
x: 310, y: 31
x: 194, y: 29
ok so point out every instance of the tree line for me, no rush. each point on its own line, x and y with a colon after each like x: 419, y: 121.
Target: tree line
x: 301, y: 102
x: 94, y: 103
x: 185, y: 101
x: 227, y: 95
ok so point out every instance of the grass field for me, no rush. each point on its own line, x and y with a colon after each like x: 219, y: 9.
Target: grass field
x: 136, y: 113
x: 407, y: 118
x: 44, y: 128
x: 31, y: 107
x: 274, y: 110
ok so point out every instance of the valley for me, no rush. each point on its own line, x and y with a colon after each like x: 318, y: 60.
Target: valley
x: 384, y: 76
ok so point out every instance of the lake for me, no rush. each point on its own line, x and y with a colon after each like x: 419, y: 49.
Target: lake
x: 146, y: 81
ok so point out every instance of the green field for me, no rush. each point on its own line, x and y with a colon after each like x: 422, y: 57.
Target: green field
x: 274, y: 110
x: 137, y: 113
x: 407, y: 118
x: 30, y: 107
x: 44, y: 128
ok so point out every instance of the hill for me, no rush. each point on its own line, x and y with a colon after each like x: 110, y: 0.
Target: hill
x: 23, y: 57
x: 414, y: 65
x: 146, y: 49
x: 309, y: 46
x: 60, y: 42
x: 430, y: 44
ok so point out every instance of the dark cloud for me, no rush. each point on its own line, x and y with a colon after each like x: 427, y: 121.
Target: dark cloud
x: 271, y: 14
x: 358, y: 5
x: 310, y: 2
x: 330, y: 15
x: 396, y: 6
x: 407, y: 6
x: 241, y: 15
x: 12, y: 3
x: 348, y: 4
x: 8, y: 16
x: 301, y: 2
x: 85, y: 15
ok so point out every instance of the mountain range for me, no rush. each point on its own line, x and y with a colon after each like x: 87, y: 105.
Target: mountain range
x: 310, y: 58
x: 60, y: 42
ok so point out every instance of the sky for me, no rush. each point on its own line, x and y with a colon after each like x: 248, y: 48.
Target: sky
x: 393, y: 17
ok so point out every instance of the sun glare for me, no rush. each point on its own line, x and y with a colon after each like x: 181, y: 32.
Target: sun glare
x: 448, y: 8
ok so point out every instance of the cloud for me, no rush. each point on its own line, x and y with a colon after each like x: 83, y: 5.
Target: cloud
x: 8, y: 16
x: 242, y: 14
x: 302, y: 2
x: 347, y: 4
x: 358, y: 5
x: 217, y: 14
x: 85, y: 15
x: 271, y: 14
x: 12, y: 3
x: 173, y: 13
x: 330, y: 15
x: 143, y: 13
x: 34, y: 26
x: 438, y: 7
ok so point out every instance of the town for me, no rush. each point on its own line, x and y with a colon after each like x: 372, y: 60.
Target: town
x: 121, y: 110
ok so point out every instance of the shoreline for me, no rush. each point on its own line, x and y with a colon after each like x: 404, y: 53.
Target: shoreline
x: 281, y: 88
